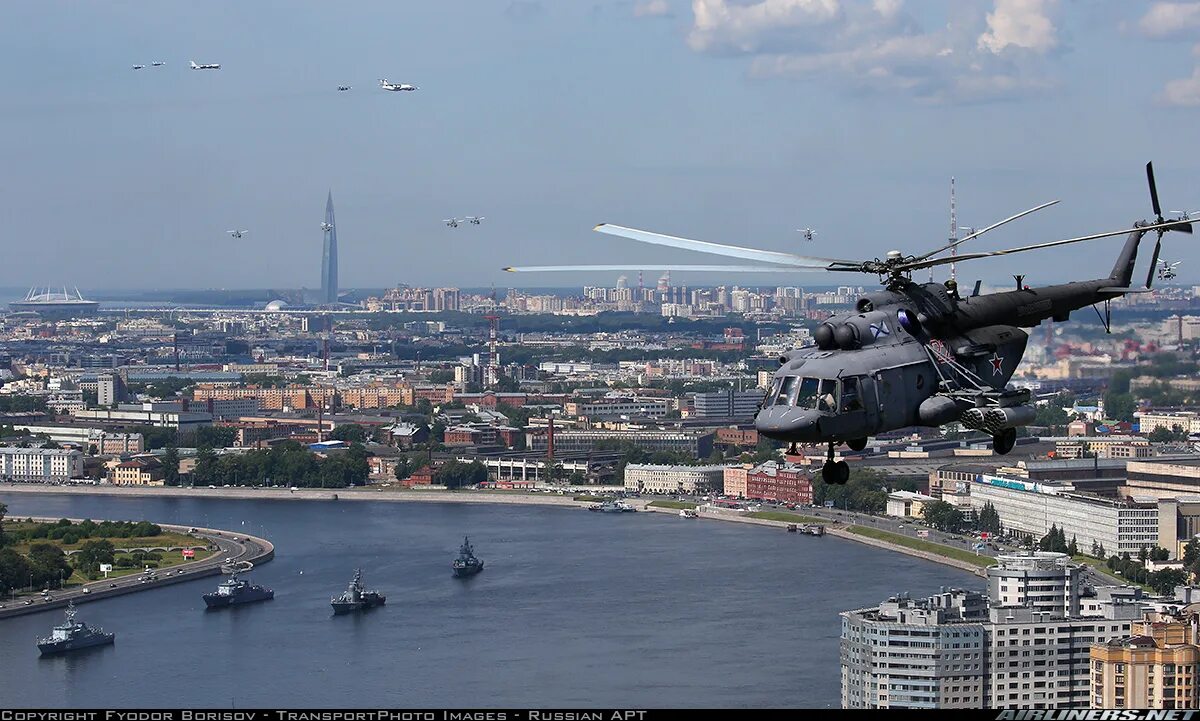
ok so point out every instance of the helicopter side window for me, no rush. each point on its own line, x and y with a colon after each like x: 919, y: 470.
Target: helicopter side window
x: 807, y: 393
x: 827, y: 396
x: 787, y: 391
x: 850, y: 398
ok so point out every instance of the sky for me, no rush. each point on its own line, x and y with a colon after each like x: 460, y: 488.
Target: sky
x: 734, y: 121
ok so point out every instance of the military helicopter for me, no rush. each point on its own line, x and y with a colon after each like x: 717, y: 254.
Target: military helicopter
x: 914, y: 354
x: 1167, y: 269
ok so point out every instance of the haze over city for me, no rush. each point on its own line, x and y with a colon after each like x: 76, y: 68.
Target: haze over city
x: 731, y: 122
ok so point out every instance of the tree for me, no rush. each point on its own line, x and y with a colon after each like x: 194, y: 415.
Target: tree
x: 1073, y: 547
x: 170, y: 464
x: 350, y: 433
x: 48, y: 563
x: 989, y: 519
x: 403, y: 468
x: 1166, y: 580
x: 215, y: 436
x: 1055, y: 540
x: 1119, y: 406
x: 456, y: 474
x: 15, y: 571
x: 3, y: 511
x: 942, y: 516
x: 92, y: 554
x: 205, y: 472
x: 1191, y: 550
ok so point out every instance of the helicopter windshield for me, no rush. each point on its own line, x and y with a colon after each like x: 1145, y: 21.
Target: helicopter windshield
x: 819, y: 394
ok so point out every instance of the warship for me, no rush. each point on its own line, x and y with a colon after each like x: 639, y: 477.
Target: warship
x: 356, y: 597
x: 466, y: 564
x: 234, y: 591
x: 73, y: 635
x: 617, y: 506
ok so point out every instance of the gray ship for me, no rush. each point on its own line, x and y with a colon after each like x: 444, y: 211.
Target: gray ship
x: 234, y: 591
x: 616, y: 506
x: 73, y: 635
x: 356, y: 597
x: 466, y: 564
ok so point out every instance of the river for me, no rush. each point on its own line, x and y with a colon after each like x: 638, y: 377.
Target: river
x: 573, y: 609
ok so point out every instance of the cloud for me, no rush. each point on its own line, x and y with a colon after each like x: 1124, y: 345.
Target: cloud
x: 1176, y: 21
x: 652, y: 9
x: 1171, y: 20
x: 879, y: 45
x: 720, y: 25
x: 1184, y: 92
x: 1021, y: 24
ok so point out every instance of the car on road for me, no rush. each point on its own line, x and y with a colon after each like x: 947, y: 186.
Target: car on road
x: 112, y: 585
x: 86, y: 591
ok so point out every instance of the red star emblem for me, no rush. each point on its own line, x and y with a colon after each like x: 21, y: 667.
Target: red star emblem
x: 997, y: 362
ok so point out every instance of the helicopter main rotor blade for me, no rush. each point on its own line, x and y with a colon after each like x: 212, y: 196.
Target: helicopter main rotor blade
x: 1153, y: 191
x: 731, y: 251
x: 1169, y: 225
x: 993, y: 226
x: 697, y: 268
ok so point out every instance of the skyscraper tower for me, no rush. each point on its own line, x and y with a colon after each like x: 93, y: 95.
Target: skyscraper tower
x: 329, y: 265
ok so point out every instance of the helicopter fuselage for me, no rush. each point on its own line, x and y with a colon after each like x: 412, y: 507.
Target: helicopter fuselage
x: 918, y: 355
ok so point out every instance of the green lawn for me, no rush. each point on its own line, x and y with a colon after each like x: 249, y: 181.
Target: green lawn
x: 593, y: 499
x: 787, y: 517
x: 672, y: 504
x: 1102, y: 568
x: 919, y: 544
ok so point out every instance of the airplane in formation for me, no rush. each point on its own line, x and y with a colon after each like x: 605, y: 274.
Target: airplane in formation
x: 394, y: 87
x: 138, y: 67
x: 237, y: 233
x: 157, y: 63
x: 205, y: 66
x: 344, y: 88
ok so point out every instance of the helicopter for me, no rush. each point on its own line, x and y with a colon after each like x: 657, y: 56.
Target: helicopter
x: 914, y: 354
x: 1166, y: 269
x: 809, y: 233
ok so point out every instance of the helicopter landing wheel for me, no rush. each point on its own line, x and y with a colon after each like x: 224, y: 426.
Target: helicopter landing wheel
x: 1004, y: 441
x: 857, y: 444
x: 835, y: 472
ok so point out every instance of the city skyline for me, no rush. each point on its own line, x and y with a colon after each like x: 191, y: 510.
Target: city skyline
x: 153, y: 167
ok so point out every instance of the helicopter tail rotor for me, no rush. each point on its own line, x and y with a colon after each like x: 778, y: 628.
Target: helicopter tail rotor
x: 1183, y: 226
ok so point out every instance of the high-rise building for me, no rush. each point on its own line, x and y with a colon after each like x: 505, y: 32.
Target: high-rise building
x: 110, y: 390
x: 1025, y: 647
x: 329, y: 261
x: 1156, y: 666
x: 728, y: 403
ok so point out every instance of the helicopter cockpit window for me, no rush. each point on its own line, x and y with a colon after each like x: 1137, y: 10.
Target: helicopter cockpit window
x: 787, y: 391
x: 807, y: 395
x: 773, y: 394
x: 850, y: 397
x: 827, y: 396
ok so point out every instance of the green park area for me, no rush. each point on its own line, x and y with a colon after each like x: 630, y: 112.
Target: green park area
x: 786, y: 517
x: 918, y: 544
x: 39, y: 555
x: 672, y: 504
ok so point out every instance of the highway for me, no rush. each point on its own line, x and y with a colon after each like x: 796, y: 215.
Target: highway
x: 233, y: 548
